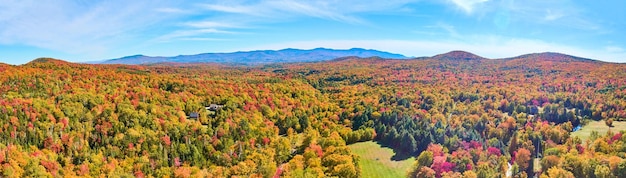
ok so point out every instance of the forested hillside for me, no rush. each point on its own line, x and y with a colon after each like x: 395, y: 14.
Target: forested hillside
x: 471, y: 117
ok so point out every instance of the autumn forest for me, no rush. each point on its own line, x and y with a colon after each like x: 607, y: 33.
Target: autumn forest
x: 457, y: 114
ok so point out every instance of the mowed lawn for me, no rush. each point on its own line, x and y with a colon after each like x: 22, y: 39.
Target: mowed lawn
x: 600, y: 127
x: 375, y: 161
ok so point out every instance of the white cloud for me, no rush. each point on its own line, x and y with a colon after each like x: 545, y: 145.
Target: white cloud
x: 191, y: 34
x: 198, y: 31
x: 449, y: 29
x: 287, y: 8
x: 319, y: 10
x: 211, y: 24
x: 74, y: 27
x: 171, y: 10
x: 486, y: 46
x: 233, y: 15
x: 468, y: 5
x: 238, y: 9
x: 343, y: 11
x: 552, y: 15
x: 614, y: 49
x: 203, y: 39
x: 562, y: 13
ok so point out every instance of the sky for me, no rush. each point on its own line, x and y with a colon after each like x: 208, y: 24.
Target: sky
x: 92, y: 30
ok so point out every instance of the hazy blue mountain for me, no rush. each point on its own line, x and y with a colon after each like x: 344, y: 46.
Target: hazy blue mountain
x: 258, y: 57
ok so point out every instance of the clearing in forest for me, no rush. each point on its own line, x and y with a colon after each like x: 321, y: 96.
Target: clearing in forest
x: 378, y: 161
x: 585, y: 132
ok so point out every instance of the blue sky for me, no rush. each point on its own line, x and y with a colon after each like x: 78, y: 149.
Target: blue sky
x: 88, y: 30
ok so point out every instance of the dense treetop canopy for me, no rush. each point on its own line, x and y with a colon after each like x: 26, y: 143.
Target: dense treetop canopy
x: 468, y: 118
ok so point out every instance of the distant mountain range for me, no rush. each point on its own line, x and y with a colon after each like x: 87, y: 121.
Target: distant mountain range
x: 320, y: 54
x: 257, y: 57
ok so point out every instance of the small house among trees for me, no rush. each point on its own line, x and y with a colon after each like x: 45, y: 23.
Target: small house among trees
x: 214, y: 107
x: 194, y: 115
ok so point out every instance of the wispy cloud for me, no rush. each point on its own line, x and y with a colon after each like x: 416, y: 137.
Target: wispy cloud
x: 553, y: 15
x: 171, y: 10
x: 204, y: 39
x: 201, y: 29
x: 562, y: 13
x: 74, y: 27
x: 233, y: 16
x: 449, y: 29
x: 285, y: 8
x: 236, y: 8
x: 320, y: 10
x: 468, y: 5
x: 614, y: 49
x: 191, y: 34
x: 211, y: 24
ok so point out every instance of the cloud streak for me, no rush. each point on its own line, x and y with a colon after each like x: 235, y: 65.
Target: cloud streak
x: 73, y: 27
x: 468, y: 6
x: 233, y: 16
x: 191, y: 34
x: 237, y: 9
x: 285, y: 9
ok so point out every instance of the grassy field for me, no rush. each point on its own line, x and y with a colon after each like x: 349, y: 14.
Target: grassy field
x: 600, y: 127
x: 375, y: 161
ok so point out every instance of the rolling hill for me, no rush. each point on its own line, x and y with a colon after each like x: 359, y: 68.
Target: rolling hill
x: 535, y: 57
x: 551, y: 56
x: 457, y: 55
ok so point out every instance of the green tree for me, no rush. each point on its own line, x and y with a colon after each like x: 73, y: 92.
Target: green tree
x: 425, y: 159
x: 602, y: 172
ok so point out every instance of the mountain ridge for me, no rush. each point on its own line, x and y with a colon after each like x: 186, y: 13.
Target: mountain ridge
x: 456, y: 55
x: 258, y: 56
